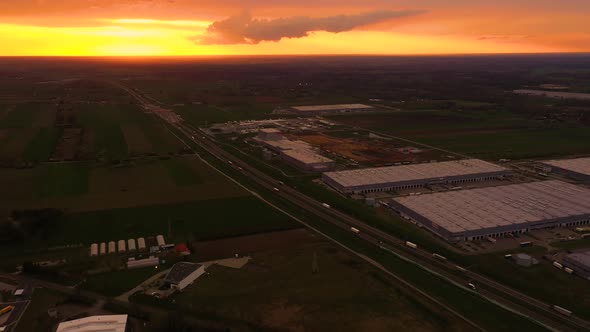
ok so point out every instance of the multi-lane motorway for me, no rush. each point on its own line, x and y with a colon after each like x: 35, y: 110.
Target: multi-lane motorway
x: 538, y: 311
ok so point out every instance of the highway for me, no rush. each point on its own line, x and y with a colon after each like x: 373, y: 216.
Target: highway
x: 497, y: 293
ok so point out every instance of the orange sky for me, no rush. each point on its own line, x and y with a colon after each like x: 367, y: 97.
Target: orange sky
x: 203, y: 27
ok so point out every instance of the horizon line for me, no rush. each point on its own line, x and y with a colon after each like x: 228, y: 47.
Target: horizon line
x: 291, y: 55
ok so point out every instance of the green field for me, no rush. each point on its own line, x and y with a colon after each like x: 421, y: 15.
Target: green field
x: 63, y: 180
x: 482, y: 134
x: 206, y: 219
x: 182, y: 173
x: 117, y: 282
x: 42, y: 145
x: 277, y: 289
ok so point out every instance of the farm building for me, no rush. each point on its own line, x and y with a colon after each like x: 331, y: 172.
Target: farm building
x: 578, y: 168
x: 389, y: 178
x: 579, y: 262
x: 106, y: 323
x: 297, y: 153
x: 325, y: 109
x: 183, y: 274
x: 476, y: 214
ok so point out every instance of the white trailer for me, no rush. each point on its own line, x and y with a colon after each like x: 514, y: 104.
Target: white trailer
x: 557, y: 265
x: 327, y: 206
x: 439, y: 257
x: 411, y: 245
x: 354, y: 230
x: 568, y: 270
x: 561, y: 310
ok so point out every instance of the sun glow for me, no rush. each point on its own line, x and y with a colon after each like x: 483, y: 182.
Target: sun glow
x: 153, y: 37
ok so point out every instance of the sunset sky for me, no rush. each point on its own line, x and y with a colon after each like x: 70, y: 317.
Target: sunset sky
x: 210, y: 27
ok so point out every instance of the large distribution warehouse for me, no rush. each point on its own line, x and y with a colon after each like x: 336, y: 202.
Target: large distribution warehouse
x: 298, y: 153
x: 412, y: 176
x: 323, y: 109
x: 495, y: 211
x: 579, y: 261
x: 578, y: 168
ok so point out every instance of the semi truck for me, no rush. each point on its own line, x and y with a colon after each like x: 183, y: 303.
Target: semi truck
x: 411, y: 245
x: 354, y: 230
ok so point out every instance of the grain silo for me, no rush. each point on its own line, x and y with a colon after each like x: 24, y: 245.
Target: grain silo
x: 94, y: 249
x: 103, y: 248
x: 141, y: 243
x: 121, y: 245
x: 160, y: 239
x: 112, y: 248
x: 131, y: 244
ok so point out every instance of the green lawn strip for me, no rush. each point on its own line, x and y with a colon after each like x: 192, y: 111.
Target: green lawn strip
x: 43, y: 144
x: 67, y: 179
x: 118, y: 282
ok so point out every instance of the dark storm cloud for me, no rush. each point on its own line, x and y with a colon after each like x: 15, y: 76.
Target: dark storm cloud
x: 243, y: 29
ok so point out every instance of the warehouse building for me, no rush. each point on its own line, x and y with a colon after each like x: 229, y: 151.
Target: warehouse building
x: 579, y: 262
x: 476, y: 214
x: 328, y: 109
x: 577, y: 169
x: 105, y: 323
x: 183, y: 274
x: 297, y: 153
x: 389, y: 178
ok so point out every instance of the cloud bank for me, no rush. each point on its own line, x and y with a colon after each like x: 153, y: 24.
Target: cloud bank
x: 243, y: 29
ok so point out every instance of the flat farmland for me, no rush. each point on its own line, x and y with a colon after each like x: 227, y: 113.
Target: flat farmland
x: 136, y: 140
x: 488, y: 135
x: 204, y: 219
x: 89, y: 186
x: 122, y: 129
x: 278, y: 290
x: 14, y: 142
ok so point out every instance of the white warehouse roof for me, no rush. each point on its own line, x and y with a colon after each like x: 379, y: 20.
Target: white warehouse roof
x: 474, y: 209
x: 106, y: 323
x: 578, y: 165
x: 413, y: 172
x: 338, y: 107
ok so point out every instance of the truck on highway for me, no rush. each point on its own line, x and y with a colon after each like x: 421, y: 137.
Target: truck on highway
x: 558, y: 265
x: 411, y: 245
x: 561, y: 310
x: 327, y: 206
x: 526, y: 244
x: 354, y: 230
x: 472, y: 286
x: 435, y: 255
